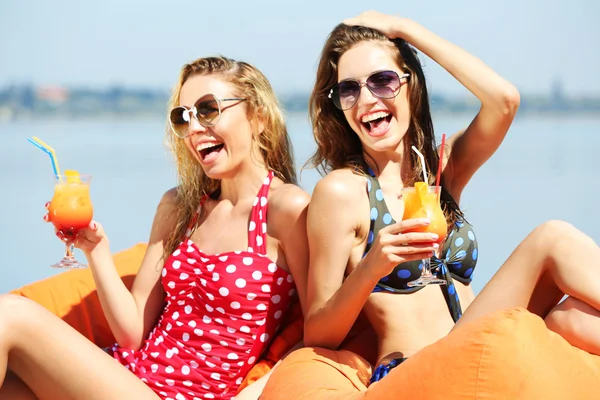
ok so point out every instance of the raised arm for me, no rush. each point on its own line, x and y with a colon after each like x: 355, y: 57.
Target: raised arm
x: 131, y: 315
x: 468, y: 149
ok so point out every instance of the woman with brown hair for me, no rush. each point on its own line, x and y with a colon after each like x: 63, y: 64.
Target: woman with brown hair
x: 368, y: 108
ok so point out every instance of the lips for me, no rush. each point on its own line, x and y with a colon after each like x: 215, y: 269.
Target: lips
x: 377, y: 123
x: 209, y: 151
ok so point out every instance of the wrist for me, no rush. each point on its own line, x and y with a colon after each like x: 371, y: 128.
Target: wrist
x: 366, y: 272
x: 100, y: 250
x: 402, y: 28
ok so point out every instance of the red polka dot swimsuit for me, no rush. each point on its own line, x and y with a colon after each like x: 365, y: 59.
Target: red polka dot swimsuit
x: 221, y: 312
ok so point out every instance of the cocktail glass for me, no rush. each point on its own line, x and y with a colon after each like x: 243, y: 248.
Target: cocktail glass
x: 422, y: 201
x: 70, y: 211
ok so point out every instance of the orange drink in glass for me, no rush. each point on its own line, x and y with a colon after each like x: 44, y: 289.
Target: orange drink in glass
x: 70, y: 211
x: 422, y: 201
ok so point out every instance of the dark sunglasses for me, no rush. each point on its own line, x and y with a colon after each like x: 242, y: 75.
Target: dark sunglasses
x: 207, y: 111
x: 383, y: 84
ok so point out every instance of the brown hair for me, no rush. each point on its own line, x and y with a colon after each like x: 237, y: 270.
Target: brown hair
x: 338, y: 146
x: 274, y: 143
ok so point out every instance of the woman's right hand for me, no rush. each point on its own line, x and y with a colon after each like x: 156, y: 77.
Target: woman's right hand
x: 87, y: 240
x: 384, y: 23
x: 397, y: 243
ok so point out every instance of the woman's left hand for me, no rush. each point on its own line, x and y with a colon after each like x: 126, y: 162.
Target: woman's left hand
x: 384, y: 23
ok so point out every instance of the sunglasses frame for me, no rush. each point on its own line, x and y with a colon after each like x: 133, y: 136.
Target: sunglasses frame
x: 194, y: 112
x: 362, y: 84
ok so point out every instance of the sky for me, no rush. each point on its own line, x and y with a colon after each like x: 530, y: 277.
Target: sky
x: 144, y: 43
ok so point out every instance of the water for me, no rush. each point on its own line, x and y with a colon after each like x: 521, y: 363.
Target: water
x: 545, y: 169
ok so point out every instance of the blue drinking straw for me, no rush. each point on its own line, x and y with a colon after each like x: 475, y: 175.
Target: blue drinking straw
x: 48, y: 150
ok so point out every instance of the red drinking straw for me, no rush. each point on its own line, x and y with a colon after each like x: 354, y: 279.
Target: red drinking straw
x: 439, y: 171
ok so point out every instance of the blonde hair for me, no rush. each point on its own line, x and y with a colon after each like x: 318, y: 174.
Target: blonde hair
x: 274, y: 143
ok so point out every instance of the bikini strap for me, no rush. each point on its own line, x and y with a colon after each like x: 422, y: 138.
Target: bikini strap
x: 195, y: 217
x: 257, y: 228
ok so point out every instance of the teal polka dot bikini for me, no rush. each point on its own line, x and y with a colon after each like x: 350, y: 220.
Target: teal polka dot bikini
x: 457, y: 261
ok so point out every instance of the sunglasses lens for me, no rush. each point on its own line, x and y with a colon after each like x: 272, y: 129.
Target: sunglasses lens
x: 180, y: 121
x: 207, y: 113
x: 384, y: 84
x: 345, y: 94
x: 207, y: 109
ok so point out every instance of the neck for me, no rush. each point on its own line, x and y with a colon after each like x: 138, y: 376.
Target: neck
x: 391, y: 166
x: 243, y: 183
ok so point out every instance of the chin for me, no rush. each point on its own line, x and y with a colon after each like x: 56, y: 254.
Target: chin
x: 220, y: 171
x: 387, y: 144
x: 214, y: 171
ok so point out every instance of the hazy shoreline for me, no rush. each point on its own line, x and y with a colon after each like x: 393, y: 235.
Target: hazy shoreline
x: 151, y: 117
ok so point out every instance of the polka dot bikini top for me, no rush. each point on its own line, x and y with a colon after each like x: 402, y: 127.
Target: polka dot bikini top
x: 458, y: 256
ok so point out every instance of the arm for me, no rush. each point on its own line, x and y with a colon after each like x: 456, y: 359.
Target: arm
x: 467, y: 150
x: 333, y: 303
x: 289, y: 209
x: 131, y: 315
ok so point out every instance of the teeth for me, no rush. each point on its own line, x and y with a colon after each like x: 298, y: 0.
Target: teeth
x: 206, y: 145
x: 374, y: 116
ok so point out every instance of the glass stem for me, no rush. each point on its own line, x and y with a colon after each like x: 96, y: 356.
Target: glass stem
x: 426, y: 267
x: 69, y: 249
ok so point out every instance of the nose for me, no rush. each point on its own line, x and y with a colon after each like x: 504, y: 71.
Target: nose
x: 195, y: 127
x: 365, y: 94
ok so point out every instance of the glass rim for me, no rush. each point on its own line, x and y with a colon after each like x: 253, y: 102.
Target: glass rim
x: 429, y: 187
x: 62, y: 178
x: 412, y: 189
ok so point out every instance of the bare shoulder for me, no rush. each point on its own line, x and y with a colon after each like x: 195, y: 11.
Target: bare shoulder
x: 169, y: 203
x: 288, y: 205
x: 342, y: 187
x: 287, y: 200
x: 170, y: 197
x: 166, y: 215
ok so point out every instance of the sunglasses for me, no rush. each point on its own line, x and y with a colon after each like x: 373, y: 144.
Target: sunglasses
x: 207, y: 111
x: 383, y: 84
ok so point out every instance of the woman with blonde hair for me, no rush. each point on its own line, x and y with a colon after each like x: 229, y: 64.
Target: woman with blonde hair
x: 227, y: 254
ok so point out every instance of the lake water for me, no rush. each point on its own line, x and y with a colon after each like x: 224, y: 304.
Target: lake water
x: 545, y: 169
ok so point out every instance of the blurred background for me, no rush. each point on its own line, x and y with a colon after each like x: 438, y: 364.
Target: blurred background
x: 92, y: 79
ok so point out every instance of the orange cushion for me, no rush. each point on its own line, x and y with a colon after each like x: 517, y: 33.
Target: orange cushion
x: 504, y: 355
x: 291, y: 332
x: 72, y: 296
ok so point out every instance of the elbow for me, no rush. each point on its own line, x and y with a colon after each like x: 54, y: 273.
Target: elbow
x: 510, y: 100
x: 129, y: 340
x: 129, y: 343
x: 315, y: 336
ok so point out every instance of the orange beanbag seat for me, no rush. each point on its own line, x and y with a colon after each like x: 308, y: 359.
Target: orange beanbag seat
x: 291, y: 333
x: 72, y: 296
x: 508, y: 354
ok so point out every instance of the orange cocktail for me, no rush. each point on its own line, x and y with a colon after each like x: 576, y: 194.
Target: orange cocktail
x: 71, y: 211
x: 422, y: 201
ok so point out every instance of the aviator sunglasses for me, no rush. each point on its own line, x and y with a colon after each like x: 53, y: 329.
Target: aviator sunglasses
x: 383, y: 84
x: 207, y: 111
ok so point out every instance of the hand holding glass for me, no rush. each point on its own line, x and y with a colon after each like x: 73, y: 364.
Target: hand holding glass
x: 422, y: 201
x: 70, y: 211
